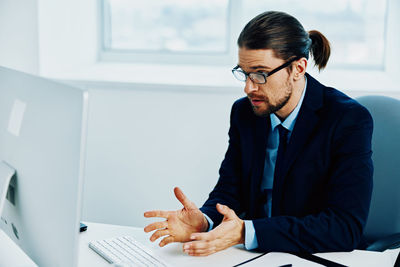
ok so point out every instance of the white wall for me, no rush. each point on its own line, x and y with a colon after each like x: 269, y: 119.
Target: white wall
x: 19, y: 35
x: 142, y: 142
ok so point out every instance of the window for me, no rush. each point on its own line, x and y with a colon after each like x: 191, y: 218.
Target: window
x: 177, y: 26
x: 157, y: 29
x: 85, y: 44
x: 355, y: 28
x: 175, y: 31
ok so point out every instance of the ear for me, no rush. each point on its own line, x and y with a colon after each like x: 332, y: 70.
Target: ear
x: 300, y: 68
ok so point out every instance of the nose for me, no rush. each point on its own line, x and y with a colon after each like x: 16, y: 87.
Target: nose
x: 250, y: 86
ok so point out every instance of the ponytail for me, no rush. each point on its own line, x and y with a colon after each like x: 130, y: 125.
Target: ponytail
x: 320, y: 49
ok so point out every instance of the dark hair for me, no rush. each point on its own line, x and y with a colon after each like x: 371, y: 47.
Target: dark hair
x: 285, y: 35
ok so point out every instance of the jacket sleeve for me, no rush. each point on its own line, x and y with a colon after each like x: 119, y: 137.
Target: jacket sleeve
x: 227, y: 190
x: 339, y: 226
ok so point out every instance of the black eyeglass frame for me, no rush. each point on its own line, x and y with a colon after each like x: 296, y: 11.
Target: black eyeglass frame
x: 264, y: 74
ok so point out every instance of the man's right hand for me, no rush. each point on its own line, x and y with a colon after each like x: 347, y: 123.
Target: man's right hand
x: 179, y: 224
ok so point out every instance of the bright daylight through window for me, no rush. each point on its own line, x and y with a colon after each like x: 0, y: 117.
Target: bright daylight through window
x: 177, y: 26
x: 356, y: 28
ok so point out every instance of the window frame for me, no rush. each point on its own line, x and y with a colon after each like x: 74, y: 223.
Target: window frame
x: 234, y: 17
x: 68, y: 50
x: 192, y: 58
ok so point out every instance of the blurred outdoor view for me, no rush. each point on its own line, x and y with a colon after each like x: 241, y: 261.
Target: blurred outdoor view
x: 356, y: 28
x: 169, y: 25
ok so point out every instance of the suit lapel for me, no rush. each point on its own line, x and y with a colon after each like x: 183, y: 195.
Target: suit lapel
x: 305, y: 125
x: 306, y: 122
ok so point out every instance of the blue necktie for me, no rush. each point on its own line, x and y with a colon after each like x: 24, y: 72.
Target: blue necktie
x: 283, y: 135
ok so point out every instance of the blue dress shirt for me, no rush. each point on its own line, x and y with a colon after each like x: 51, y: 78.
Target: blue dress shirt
x: 269, y: 167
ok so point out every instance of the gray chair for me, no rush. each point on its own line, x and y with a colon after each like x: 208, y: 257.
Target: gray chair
x: 383, y: 226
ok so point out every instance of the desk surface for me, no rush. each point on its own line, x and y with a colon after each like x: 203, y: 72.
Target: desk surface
x: 11, y: 254
x: 173, y: 255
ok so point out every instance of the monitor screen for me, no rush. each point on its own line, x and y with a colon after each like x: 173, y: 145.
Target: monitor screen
x: 43, y: 136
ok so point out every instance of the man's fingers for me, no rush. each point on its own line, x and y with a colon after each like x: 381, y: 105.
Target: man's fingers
x: 158, y: 234
x: 208, y: 236
x: 201, y: 253
x: 226, y: 211
x: 183, y: 199
x: 166, y: 240
x: 156, y: 213
x: 194, y: 245
x: 155, y: 226
x: 199, y: 248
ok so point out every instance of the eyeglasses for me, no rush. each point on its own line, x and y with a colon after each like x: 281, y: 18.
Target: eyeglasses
x: 258, y: 77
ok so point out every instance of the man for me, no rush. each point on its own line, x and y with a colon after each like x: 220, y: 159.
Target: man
x: 297, y: 175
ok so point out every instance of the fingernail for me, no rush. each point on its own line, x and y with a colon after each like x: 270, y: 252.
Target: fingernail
x: 186, y: 246
x: 192, y: 237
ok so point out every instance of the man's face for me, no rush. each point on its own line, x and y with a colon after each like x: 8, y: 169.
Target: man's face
x: 275, y: 93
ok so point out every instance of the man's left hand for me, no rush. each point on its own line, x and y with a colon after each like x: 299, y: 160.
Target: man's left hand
x: 229, y: 233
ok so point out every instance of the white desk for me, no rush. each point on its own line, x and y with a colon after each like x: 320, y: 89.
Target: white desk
x: 173, y: 254
x: 11, y: 254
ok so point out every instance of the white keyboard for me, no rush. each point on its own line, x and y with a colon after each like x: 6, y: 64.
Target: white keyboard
x: 125, y: 251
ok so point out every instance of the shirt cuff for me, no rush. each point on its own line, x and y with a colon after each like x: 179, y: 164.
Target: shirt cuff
x: 210, y: 222
x: 250, y: 239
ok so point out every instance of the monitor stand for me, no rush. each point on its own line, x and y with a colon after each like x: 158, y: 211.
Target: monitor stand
x: 14, y: 255
x: 6, y: 173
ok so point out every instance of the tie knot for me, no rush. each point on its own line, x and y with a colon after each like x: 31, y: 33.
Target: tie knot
x: 283, y: 133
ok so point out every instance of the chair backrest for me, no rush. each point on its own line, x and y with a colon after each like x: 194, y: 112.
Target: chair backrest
x: 384, y: 216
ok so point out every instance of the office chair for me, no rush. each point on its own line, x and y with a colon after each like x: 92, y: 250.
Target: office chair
x: 383, y: 226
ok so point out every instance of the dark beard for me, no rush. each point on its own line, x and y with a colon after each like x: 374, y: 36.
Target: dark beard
x: 274, y: 108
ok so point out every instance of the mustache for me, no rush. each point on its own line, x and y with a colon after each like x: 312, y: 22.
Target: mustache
x: 258, y: 97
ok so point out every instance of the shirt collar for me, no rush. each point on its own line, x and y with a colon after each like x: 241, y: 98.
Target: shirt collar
x: 289, y: 122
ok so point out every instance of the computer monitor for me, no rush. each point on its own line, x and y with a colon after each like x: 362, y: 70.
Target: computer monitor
x: 42, y: 136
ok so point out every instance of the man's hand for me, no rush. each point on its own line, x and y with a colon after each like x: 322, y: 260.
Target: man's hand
x: 229, y: 233
x: 179, y: 224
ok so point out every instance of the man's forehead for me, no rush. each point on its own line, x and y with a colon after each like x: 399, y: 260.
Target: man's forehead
x: 257, y: 58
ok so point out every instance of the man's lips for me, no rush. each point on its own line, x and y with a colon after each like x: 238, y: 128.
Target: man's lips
x: 256, y: 102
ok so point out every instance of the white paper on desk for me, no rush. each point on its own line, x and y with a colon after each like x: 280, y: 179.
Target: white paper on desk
x: 355, y: 258
x: 361, y: 258
x: 275, y: 259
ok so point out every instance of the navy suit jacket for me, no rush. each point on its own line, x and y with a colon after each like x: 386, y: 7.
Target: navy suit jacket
x: 322, y: 193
